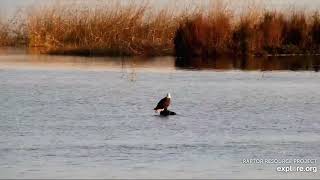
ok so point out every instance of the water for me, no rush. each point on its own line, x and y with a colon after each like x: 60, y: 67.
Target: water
x: 72, y: 117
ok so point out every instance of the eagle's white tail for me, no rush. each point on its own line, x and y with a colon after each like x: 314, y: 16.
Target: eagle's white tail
x: 159, y: 110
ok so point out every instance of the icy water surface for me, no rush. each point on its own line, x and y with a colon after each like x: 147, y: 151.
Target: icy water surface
x: 80, y: 119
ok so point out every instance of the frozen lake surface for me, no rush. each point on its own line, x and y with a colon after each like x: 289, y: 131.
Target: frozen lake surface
x: 92, y: 120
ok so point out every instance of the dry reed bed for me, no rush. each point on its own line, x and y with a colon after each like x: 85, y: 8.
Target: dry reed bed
x: 8, y: 35
x: 259, y: 33
x: 131, y: 29
x: 13, y: 31
x: 111, y: 30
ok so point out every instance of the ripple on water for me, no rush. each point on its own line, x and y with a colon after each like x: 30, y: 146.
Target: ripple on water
x: 86, y: 122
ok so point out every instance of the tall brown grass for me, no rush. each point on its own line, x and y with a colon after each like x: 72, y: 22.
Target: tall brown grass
x: 119, y: 29
x: 204, y: 34
x: 109, y: 30
x: 4, y: 34
x: 257, y: 33
x: 13, y: 31
x: 271, y: 29
x: 315, y: 32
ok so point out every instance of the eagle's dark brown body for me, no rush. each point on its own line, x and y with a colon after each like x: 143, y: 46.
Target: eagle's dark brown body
x: 163, y: 104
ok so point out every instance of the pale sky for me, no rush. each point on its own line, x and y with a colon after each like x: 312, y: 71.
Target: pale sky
x: 9, y: 6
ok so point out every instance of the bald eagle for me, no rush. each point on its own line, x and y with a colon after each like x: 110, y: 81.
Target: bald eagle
x: 163, y: 104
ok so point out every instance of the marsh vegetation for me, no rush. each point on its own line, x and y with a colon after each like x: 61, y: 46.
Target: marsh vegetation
x: 131, y: 29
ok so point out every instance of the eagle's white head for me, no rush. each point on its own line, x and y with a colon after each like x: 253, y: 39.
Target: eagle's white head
x: 169, y: 95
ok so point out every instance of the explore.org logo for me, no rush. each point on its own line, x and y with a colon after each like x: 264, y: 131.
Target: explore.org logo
x: 286, y: 165
x: 297, y: 169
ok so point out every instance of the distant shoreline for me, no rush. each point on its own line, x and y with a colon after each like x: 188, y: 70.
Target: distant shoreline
x: 32, y: 51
